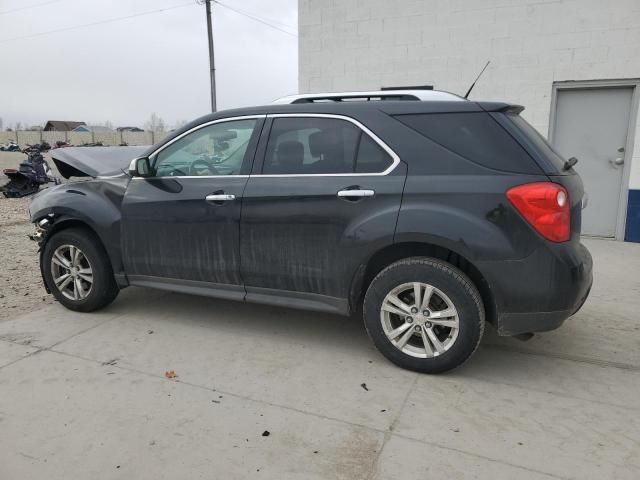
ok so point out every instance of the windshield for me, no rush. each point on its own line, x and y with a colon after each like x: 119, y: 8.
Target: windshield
x: 540, y: 143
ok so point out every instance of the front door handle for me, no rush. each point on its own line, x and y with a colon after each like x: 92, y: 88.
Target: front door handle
x: 617, y: 161
x: 355, y: 193
x: 219, y: 197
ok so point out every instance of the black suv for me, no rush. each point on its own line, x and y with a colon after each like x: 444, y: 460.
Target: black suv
x: 429, y: 217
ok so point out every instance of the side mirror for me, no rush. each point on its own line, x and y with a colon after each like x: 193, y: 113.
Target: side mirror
x: 140, y: 167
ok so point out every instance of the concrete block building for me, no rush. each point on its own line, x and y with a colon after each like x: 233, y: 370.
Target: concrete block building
x: 574, y: 65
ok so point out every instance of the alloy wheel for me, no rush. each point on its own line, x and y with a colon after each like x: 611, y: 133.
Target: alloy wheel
x: 72, y: 272
x: 419, y: 320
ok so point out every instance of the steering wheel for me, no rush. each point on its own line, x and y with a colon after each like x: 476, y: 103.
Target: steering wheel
x: 201, y: 162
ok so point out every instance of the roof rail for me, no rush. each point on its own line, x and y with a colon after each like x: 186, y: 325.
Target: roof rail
x: 374, y: 95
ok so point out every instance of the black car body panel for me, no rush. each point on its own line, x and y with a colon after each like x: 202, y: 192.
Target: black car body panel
x: 297, y: 236
x: 168, y: 230
x: 288, y: 239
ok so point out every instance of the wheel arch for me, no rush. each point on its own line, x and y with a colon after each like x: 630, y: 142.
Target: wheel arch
x: 398, y: 251
x: 62, y: 223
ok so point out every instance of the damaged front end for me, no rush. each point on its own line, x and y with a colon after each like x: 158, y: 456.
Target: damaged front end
x: 42, y: 227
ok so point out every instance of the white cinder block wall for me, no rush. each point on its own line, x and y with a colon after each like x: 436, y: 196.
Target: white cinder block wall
x: 366, y: 44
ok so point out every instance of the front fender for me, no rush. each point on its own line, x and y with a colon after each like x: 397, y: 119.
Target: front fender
x: 95, y: 203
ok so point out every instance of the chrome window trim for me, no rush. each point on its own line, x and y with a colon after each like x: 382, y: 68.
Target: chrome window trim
x: 373, y: 136
x: 362, y: 127
x: 175, y: 177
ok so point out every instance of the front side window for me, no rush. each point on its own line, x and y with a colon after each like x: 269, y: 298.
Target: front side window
x: 217, y: 149
x: 320, y: 146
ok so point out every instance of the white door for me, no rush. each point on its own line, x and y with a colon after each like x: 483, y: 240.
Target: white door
x: 591, y: 124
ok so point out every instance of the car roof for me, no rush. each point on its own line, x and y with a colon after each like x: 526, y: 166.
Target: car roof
x: 359, y: 108
x: 350, y: 109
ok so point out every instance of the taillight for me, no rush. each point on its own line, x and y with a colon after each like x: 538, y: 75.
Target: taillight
x: 545, y: 206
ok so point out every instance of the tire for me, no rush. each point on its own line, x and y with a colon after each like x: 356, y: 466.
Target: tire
x: 457, y: 330
x: 93, y: 263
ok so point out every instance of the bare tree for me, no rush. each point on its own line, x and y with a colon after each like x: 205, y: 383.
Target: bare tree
x: 18, y: 126
x: 108, y: 124
x: 1, y: 123
x: 180, y: 124
x: 155, y: 123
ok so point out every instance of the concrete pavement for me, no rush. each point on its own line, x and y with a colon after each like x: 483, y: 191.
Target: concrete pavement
x: 85, y: 395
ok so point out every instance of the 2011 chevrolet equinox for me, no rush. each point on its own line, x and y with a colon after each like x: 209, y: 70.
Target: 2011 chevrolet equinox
x: 428, y: 213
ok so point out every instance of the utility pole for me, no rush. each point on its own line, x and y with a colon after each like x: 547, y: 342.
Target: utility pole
x: 212, y: 64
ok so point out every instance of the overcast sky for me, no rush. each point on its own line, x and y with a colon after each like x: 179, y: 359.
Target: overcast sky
x: 125, y: 70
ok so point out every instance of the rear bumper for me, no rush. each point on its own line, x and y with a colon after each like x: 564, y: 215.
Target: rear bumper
x: 538, y: 293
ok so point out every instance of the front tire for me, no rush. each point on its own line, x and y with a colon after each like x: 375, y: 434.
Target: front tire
x: 424, y: 314
x: 77, y: 270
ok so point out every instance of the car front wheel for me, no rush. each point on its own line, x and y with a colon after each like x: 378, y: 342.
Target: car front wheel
x: 77, y: 270
x: 424, y: 314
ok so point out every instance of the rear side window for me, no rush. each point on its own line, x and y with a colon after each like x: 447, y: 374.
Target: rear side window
x: 316, y: 145
x: 371, y: 157
x: 474, y: 136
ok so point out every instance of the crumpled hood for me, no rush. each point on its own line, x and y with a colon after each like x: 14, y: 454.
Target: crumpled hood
x: 94, y: 161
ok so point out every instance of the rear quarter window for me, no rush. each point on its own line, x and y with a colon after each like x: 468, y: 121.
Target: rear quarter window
x: 475, y: 136
x: 539, y: 142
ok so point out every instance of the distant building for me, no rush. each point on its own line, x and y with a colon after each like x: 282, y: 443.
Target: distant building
x: 61, y: 125
x: 93, y: 128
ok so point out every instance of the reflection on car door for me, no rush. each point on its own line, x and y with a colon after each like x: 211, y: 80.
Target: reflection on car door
x: 181, y: 227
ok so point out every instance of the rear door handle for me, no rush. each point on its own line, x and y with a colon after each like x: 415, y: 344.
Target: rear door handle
x: 356, y: 193
x: 219, y: 197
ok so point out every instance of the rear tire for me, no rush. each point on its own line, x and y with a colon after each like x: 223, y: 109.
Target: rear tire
x: 424, y: 314
x: 77, y: 270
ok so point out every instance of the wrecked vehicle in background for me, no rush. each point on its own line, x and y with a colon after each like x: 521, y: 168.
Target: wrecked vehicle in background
x: 28, y: 177
x: 10, y: 146
x: 425, y: 213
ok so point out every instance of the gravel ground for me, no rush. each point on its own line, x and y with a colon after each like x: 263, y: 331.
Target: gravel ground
x: 21, y: 287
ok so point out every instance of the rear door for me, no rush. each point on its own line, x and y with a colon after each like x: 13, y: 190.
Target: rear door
x: 325, y: 194
x: 182, y: 226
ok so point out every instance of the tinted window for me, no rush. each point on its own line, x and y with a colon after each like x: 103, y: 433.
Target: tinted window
x: 218, y: 149
x: 538, y: 141
x: 321, y: 146
x: 474, y: 136
x: 372, y: 158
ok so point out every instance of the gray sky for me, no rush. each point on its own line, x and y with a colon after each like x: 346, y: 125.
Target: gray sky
x: 125, y: 70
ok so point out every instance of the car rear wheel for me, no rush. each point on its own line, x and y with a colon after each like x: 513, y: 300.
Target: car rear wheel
x: 424, y: 314
x: 77, y: 270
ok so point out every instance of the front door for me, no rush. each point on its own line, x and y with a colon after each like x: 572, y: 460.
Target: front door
x: 181, y: 226
x: 591, y: 124
x: 324, y: 195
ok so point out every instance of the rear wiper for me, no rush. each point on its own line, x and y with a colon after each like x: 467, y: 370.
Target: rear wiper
x: 569, y: 163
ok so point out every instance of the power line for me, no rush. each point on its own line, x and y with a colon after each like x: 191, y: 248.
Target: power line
x: 255, y: 18
x: 30, y: 6
x: 262, y: 17
x: 100, y: 22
